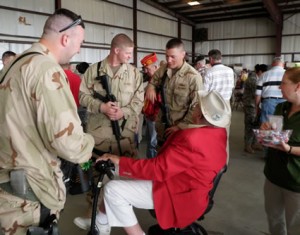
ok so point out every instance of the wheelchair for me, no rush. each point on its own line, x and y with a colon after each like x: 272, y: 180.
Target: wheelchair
x: 194, y: 228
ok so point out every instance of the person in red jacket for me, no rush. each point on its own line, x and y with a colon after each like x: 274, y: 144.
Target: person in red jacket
x: 74, y: 81
x: 176, y: 183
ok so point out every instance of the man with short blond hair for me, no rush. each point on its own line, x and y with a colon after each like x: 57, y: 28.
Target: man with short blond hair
x: 126, y: 84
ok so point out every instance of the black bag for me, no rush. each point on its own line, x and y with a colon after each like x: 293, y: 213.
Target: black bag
x: 75, y: 179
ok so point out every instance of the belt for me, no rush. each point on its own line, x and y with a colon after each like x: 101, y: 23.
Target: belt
x: 276, y: 98
x: 28, y: 196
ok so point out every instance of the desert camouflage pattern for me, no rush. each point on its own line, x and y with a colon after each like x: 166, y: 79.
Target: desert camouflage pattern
x: 181, y: 89
x: 127, y: 86
x: 38, y: 122
x: 19, y: 214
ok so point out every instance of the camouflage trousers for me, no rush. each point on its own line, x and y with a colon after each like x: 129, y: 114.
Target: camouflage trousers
x: 250, y: 117
x: 17, y: 214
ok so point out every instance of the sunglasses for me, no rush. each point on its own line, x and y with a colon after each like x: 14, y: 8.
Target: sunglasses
x: 76, y: 22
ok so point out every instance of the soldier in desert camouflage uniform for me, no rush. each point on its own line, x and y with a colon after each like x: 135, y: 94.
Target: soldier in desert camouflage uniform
x: 126, y: 84
x: 38, y: 122
x: 250, y: 108
x: 182, y: 83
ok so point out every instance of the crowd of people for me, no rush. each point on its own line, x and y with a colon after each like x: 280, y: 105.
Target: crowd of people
x: 187, y: 113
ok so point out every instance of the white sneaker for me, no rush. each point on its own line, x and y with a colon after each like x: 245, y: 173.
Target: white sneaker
x: 104, y: 229
x: 83, y: 223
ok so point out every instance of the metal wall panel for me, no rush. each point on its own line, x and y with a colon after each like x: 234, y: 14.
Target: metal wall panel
x: 102, y: 12
x: 128, y: 3
x: 291, y: 24
x: 151, y: 10
x: 46, y: 6
x: 152, y: 42
x: 186, y: 31
x: 152, y: 24
x: 104, y: 19
x: 246, y: 42
x: 291, y: 44
x: 33, y: 27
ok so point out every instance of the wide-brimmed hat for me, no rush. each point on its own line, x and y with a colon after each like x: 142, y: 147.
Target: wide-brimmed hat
x: 214, y: 108
x: 149, y: 59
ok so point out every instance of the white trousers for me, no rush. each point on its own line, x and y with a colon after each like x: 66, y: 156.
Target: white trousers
x: 120, y: 196
x: 283, y: 210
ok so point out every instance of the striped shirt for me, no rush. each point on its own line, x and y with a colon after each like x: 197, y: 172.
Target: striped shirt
x: 268, y: 85
x: 220, y: 78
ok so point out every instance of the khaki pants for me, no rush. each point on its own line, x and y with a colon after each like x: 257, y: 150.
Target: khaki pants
x: 17, y: 214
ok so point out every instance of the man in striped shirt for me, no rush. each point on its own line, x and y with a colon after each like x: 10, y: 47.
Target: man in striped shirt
x: 219, y: 77
x: 267, y: 89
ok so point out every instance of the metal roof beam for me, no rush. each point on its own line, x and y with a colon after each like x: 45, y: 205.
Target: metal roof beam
x: 274, y: 11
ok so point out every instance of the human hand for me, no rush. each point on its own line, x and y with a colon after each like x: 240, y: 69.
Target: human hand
x: 112, y: 110
x: 265, y: 126
x: 171, y: 130
x: 107, y: 156
x: 150, y: 94
x: 282, y: 146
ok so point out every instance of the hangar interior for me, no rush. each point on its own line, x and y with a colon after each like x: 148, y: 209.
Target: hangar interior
x: 247, y: 32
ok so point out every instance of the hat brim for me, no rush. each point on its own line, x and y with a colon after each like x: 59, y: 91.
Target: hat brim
x: 215, y: 110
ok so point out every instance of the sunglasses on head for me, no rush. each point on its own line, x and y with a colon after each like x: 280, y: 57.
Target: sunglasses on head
x: 76, y: 22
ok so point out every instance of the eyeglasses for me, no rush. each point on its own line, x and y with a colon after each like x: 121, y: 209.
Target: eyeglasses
x: 76, y: 22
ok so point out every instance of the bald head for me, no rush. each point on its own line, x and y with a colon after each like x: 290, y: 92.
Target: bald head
x: 61, y: 20
x: 63, y: 34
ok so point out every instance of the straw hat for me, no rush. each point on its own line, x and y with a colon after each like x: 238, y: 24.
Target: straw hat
x: 214, y: 108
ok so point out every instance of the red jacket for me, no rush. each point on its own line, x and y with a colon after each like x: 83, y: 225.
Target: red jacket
x: 182, y: 173
x: 74, y: 81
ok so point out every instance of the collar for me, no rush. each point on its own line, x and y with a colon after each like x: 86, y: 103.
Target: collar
x: 216, y: 64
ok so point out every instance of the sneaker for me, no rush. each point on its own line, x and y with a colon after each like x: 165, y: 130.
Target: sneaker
x: 104, y: 229
x: 83, y: 223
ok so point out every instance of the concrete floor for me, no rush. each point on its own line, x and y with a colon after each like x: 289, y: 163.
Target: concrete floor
x: 238, y: 209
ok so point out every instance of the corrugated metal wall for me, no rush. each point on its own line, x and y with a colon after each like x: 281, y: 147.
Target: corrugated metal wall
x: 251, y: 41
x: 247, y: 42
x: 103, y: 19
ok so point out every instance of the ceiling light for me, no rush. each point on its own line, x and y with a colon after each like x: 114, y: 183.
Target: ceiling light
x: 193, y: 3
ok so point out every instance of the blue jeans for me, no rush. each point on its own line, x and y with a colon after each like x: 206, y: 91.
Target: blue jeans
x: 268, y: 108
x: 151, y: 139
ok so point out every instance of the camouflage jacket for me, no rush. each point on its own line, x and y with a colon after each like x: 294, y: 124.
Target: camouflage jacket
x: 126, y: 85
x: 38, y: 122
x: 249, y: 90
x: 180, y: 92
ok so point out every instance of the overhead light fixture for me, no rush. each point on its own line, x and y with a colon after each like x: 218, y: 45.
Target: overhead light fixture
x: 193, y: 3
